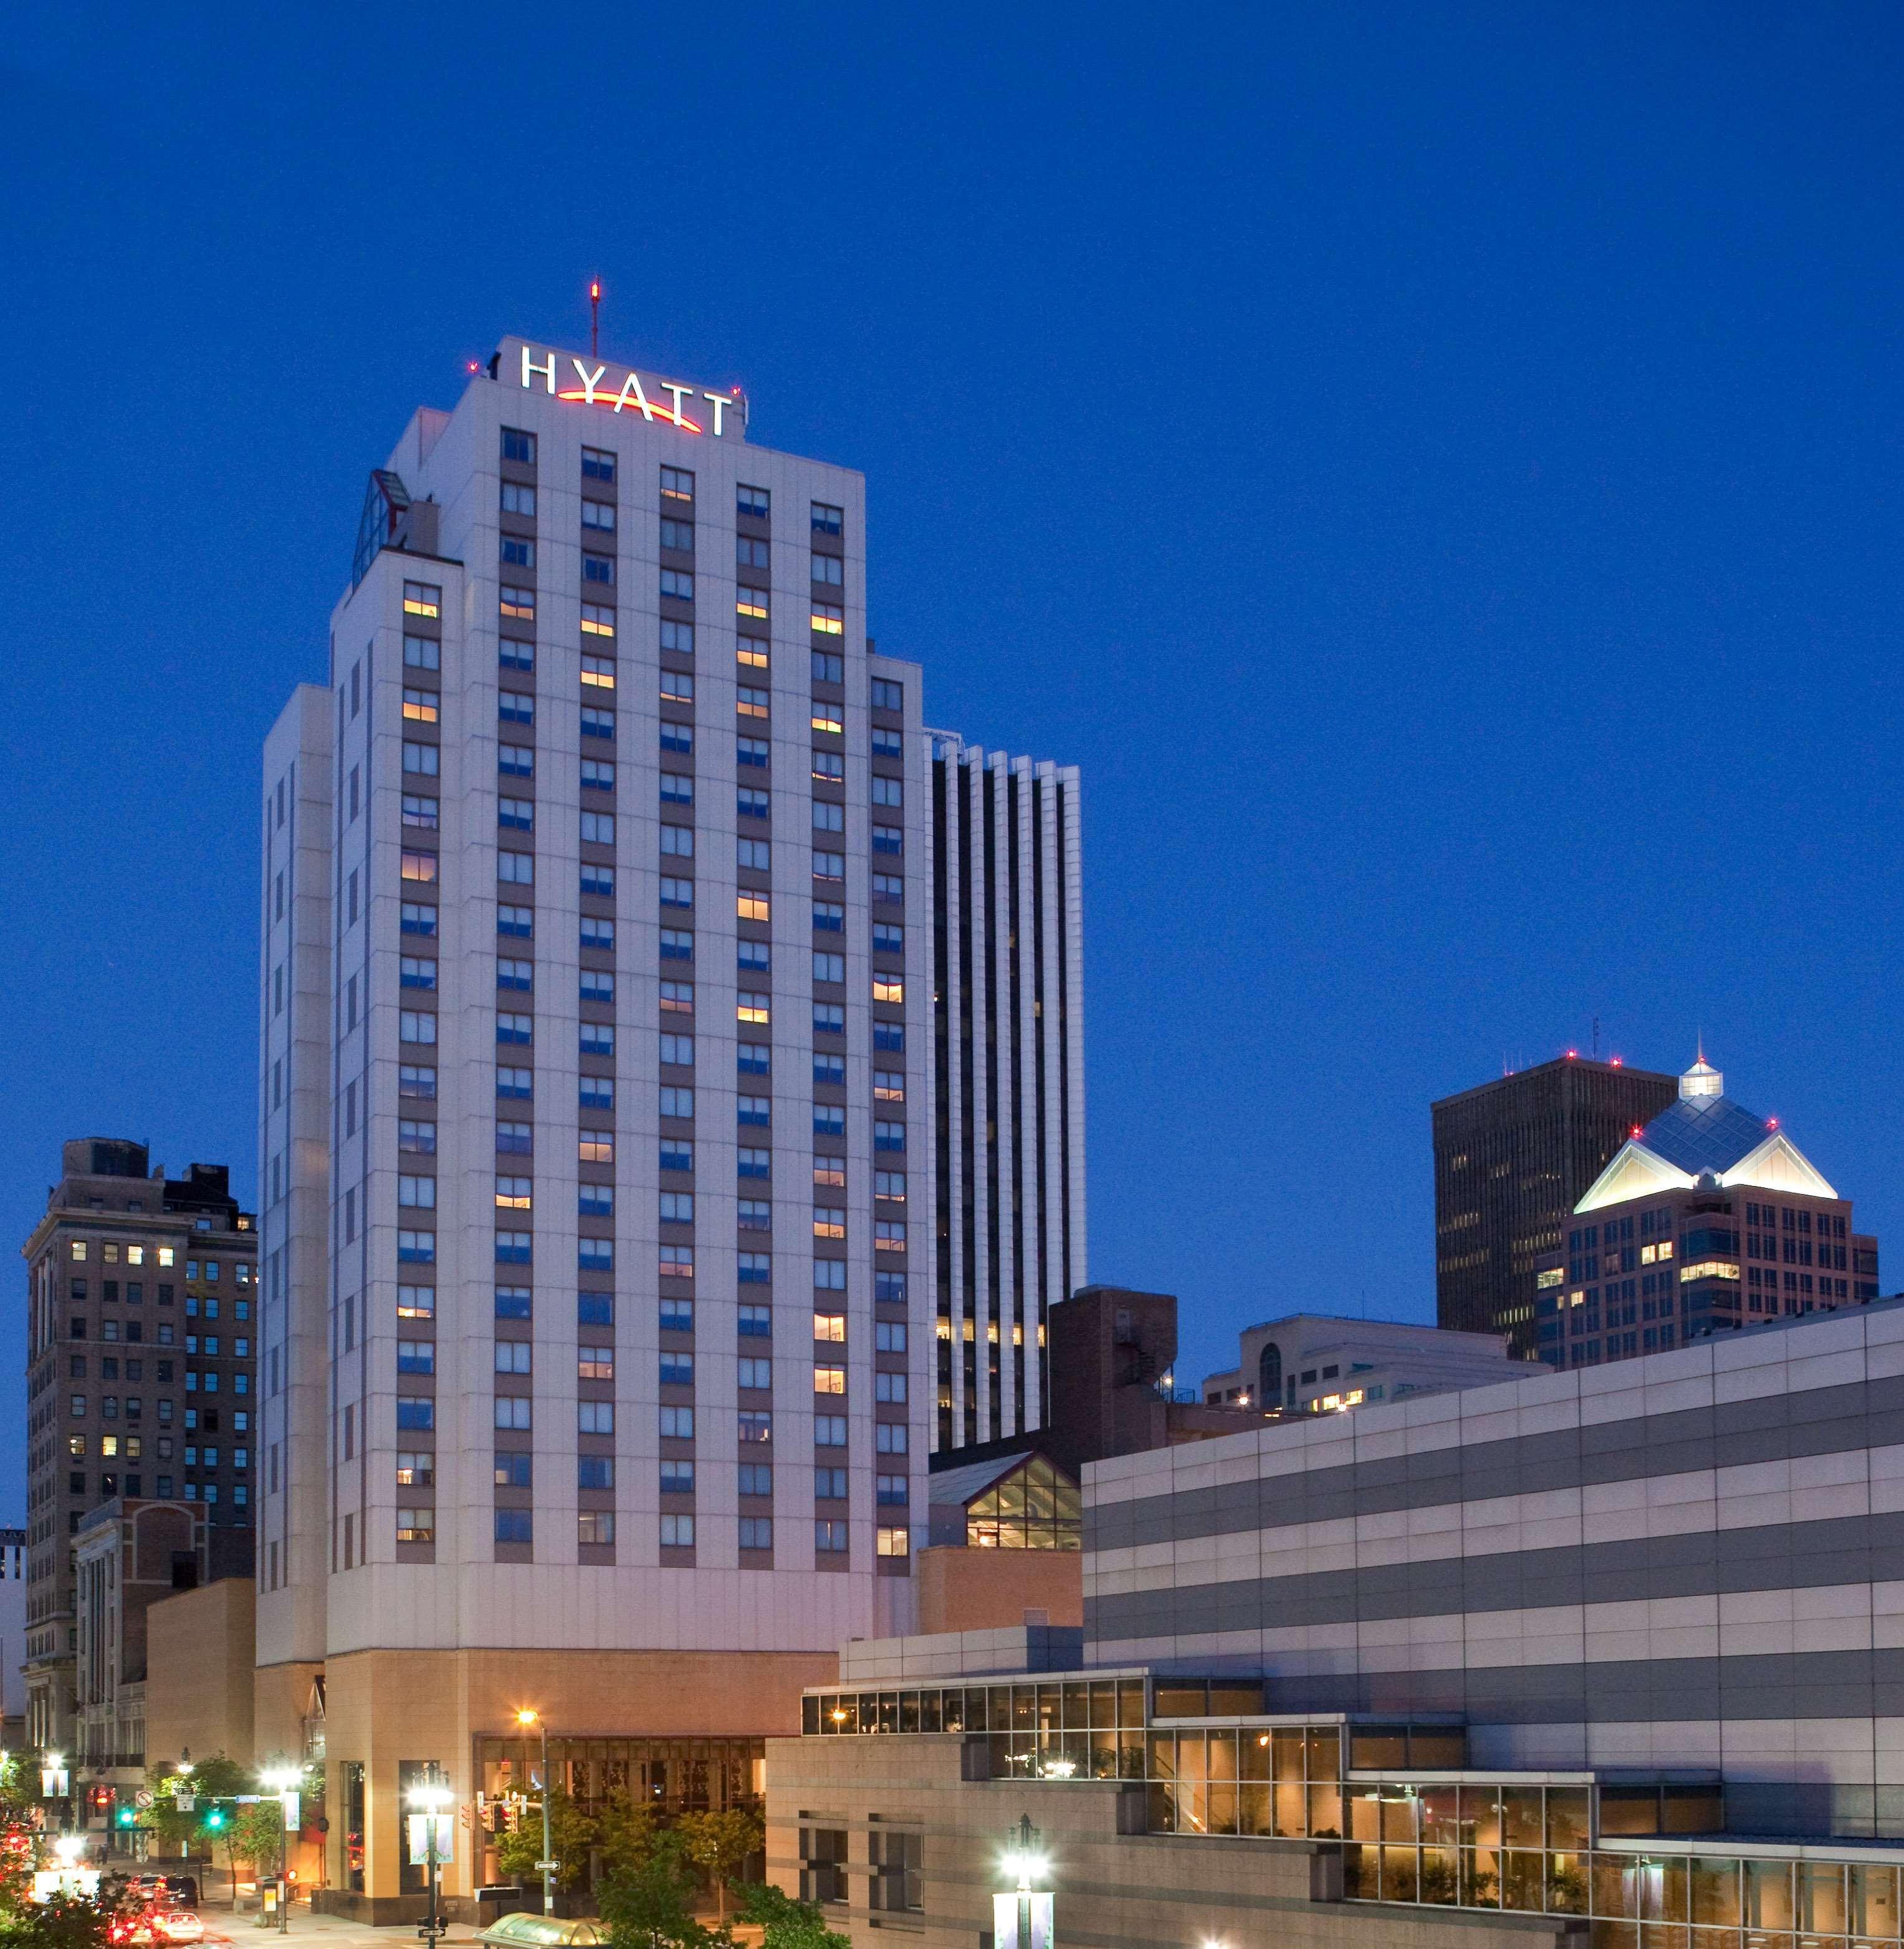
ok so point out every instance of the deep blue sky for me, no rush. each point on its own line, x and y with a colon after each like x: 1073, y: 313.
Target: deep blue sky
x: 1436, y: 469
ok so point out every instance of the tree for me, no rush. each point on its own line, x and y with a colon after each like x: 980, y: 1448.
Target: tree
x: 652, y: 1907
x: 257, y: 1834
x: 786, y: 1923
x: 571, y: 1836
x: 719, y: 1844
x: 61, y: 1922
x: 215, y: 1779
x: 625, y: 1833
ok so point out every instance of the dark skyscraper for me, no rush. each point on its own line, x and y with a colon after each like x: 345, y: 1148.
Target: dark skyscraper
x: 1511, y: 1159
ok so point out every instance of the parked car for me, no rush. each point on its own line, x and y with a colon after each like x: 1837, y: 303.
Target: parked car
x: 525, y: 1930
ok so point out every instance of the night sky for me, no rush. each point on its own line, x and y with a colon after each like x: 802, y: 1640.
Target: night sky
x: 1436, y: 469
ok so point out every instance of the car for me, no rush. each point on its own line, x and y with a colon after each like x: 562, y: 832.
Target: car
x: 160, y: 1926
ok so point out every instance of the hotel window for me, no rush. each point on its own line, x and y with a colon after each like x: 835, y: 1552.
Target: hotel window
x: 678, y: 485
x: 415, y: 1525
x: 677, y: 687
x: 518, y: 499
x: 516, y: 550
x: 679, y: 637
x: 599, y: 516
x: 678, y: 535
x: 515, y: 706
x: 598, y: 673
x: 828, y: 571
x: 830, y: 1222
x: 599, y: 570
x: 750, y: 701
x: 752, y: 653
x: 597, y: 464
x: 751, y: 601
x: 422, y: 652
x: 827, y: 718
x: 830, y: 1538
x: 595, y: 1363
x: 422, y: 598
x: 756, y: 1375
x: 827, y: 520
x: 595, y: 1526
x: 596, y: 621
x: 518, y: 445
x: 520, y: 603
x: 887, y: 695
x: 597, y: 724
x: 415, y: 1469
x: 828, y: 619
x: 829, y: 667
x: 677, y: 1532
x: 753, y: 501
x: 515, y: 1526
x: 513, y: 655
x: 750, y: 906
x: 515, y: 815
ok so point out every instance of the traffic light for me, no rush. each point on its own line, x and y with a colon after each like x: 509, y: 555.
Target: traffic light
x: 127, y: 1817
x: 215, y: 1819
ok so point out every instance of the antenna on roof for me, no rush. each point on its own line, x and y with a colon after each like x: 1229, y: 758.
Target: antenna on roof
x: 1596, y: 1038
x: 594, y: 318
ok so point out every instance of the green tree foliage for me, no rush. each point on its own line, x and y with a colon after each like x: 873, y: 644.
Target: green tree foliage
x: 786, y: 1923
x: 652, y: 1907
x: 719, y: 1844
x: 625, y: 1833
x: 256, y: 1835
x: 62, y: 1922
x: 210, y: 1781
x: 572, y: 1835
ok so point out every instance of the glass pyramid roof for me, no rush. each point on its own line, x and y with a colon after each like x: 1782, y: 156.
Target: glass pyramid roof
x: 1701, y: 1134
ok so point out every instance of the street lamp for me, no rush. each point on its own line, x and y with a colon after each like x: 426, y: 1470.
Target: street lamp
x: 430, y: 1798
x: 526, y: 1717
x: 284, y: 1781
x: 1022, y: 1920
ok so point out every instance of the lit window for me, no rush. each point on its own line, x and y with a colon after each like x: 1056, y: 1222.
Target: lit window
x: 677, y: 484
x: 751, y: 654
x: 520, y: 603
x: 598, y: 673
x: 592, y: 1148
x: 829, y: 1221
x: 752, y: 1008
x: 597, y: 620
x: 416, y: 1525
x: 421, y: 866
x: 829, y: 620
x: 888, y: 988
x: 831, y: 1327
x: 749, y: 702
x: 515, y: 1194
x: 829, y: 1380
x: 750, y: 906
x: 422, y: 598
x: 893, y: 1543
x: 750, y: 602
x: 828, y: 720
x: 889, y: 1086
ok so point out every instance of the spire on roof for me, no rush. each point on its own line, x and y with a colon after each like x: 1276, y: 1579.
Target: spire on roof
x: 1702, y: 1080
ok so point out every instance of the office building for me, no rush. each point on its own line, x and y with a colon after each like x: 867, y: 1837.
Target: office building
x: 1592, y: 1656
x: 130, y: 1556
x: 1511, y: 1159
x: 139, y: 1375
x: 1708, y: 1218
x: 13, y: 1636
x: 1006, y: 1081
x: 597, y: 1082
x: 1315, y: 1363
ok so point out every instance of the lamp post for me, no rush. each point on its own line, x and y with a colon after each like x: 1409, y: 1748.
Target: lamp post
x: 1024, y: 1860
x: 284, y: 1781
x: 430, y: 1798
x: 526, y: 1717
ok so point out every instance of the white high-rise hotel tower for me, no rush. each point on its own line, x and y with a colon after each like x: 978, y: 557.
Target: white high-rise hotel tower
x: 605, y: 1158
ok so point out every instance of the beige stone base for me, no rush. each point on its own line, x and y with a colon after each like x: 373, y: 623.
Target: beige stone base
x: 383, y: 1708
